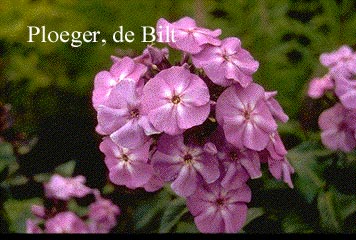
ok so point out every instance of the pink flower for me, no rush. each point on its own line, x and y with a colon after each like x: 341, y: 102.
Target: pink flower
x: 346, y: 91
x: 65, y: 188
x: 276, y: 147
x: 154, y: 184
x: 152, y: 55
x: 121, y: 116
x: 275, y: 155
x: 127, y: 167
x: 318, y: 86
x: 239, y: 166
x: 227, y: 64
x: 103, y: 215
x: 218, y: 210
x: 338, y: 127
x: 185, y: 165
x: 38, y: 210
x: 245, y: 117
x: 187, y: 36
x: 175, y: 100
x: 275, y: 108
x: 32, y: 226
x: 281, y: 169
x: 66, y: 222
x: 343, y: 58
x: 105, y: 81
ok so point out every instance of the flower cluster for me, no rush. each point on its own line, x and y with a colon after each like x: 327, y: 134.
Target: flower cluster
x: 338, y: 123
x: 55, y: 217
x: 200, y: 124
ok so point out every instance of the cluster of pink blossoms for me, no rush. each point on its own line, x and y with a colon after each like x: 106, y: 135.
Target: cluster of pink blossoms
x: 55, y: 217
x: 200, y: 124
x: 338, y: 123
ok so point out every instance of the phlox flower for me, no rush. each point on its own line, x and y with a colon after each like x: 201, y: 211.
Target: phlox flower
x: 187, y: 36
x: 103, y: 215
x: 105, y: 81
x: 338, y: 126
x: 121, y: 117
x: 185, y: 166
x: 175, y: 100
x: 127, y: 167
x: 245, y: 117
x: 63, y: 188
x: 218, y: 210
x: 66, y: 222
x: 227, y: 64
x: 318, y: 86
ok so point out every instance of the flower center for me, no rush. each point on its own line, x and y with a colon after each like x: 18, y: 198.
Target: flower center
x: 175, y: 99
x: 134, y: 113
x: 233, y: 156
x: 247, y: 115
x: 125, y: 158
x: 343, y: 126
x: 188, y: 158
x: 220, y: 201
x: 226, y: 57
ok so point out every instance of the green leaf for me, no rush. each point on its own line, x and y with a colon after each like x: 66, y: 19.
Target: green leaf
x: 7, y: 156
x: 17, y: 180
x: 108, y: 189
x: 252, y: 214
x: 172, y: 214
x: 66, y: 169
x: 293, y: 223
x: 328, y: 212
x: 308, y: 170
x: 79, y: 210
x: 147, y: 213
x: 186, y: 227
x: 18, y: 211
x: 345, y: 205
x: 42, y: 177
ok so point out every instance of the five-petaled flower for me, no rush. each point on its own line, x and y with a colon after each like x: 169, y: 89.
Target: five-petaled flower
x: 175, y: 100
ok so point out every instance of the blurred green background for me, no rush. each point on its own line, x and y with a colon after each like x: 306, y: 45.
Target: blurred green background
x: 48, y: 86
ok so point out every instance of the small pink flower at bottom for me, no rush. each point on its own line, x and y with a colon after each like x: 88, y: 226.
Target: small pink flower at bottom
x: 338, y: 125
x: 32, y: 226
x: 176, y: 100
x: 103, y: 215
x: 127, y: 167
x: 186, y: 166
x: 318, y: 86
x: 63, y: 188
x: 218, y: 210
x: 38, y: 210
x: 66, y: 222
